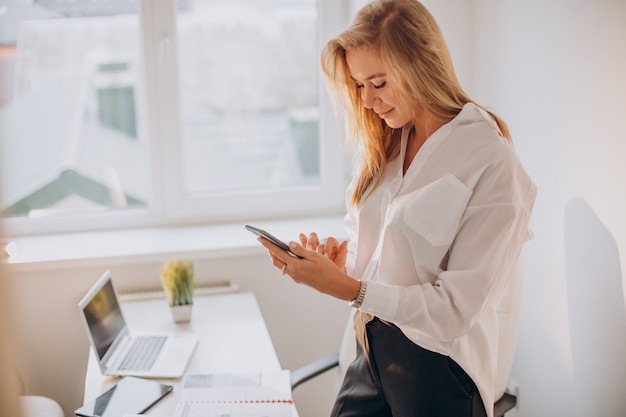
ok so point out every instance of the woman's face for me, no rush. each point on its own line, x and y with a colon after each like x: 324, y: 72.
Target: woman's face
x: 368, y: 73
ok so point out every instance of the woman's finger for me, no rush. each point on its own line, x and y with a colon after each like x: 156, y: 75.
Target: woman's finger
x: 277, y: 255
x: 313, y: 241
x: 303, y: 239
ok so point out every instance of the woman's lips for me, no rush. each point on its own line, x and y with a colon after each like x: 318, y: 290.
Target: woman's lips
x: 382, y: 115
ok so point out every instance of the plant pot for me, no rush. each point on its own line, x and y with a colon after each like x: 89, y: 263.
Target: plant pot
x: 182, y: 313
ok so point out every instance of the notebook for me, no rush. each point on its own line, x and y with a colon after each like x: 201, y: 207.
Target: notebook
x: 236, y: 394
x: 120, y: 353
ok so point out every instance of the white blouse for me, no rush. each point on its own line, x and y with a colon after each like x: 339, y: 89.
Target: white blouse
x: 440, y: 246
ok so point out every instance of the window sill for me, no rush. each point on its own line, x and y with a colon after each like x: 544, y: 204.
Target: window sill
x: 122, y: 247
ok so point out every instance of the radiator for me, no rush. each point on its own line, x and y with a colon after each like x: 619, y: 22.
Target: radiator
x: 156, y: 291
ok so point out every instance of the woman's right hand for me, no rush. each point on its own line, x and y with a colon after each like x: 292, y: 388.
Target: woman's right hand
x: 329, y: 247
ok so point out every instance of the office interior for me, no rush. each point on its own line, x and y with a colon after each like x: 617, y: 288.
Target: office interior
x: 555, y: 70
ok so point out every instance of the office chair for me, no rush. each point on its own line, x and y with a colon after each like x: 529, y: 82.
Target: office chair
x: 36, y: 405
x: 313, y: 369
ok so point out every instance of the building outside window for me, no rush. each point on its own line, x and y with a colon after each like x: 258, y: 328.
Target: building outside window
x: 117, y: 113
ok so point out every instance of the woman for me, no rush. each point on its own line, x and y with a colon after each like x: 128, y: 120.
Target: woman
x: 438, y: 213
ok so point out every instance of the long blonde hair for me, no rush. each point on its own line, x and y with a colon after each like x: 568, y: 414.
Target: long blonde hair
x: 410, y: 44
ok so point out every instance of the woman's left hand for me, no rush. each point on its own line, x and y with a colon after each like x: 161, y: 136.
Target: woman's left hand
x: 329, y: 247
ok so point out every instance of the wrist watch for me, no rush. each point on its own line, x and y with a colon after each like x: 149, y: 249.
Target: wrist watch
x: 356, y: 303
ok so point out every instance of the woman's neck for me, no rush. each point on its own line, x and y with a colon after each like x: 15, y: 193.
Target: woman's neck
x: 422, y: 129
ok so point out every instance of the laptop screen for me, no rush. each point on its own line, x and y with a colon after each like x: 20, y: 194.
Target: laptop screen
x: 104, y: 318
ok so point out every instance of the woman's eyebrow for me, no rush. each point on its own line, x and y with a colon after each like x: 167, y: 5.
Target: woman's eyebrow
x: 371, y: 77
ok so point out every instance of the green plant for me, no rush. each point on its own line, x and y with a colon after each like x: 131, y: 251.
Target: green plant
x: 177, y: 280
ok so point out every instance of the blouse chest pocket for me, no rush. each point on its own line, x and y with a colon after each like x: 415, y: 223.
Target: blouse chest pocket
x: 435, y: 211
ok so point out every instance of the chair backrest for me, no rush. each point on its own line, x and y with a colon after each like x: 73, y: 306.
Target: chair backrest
x: 504, y: 405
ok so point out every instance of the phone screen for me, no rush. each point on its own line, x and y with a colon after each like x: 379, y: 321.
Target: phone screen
x: 271, y: 238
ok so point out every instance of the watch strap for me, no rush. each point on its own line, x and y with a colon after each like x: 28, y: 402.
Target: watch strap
x: 356, y: 303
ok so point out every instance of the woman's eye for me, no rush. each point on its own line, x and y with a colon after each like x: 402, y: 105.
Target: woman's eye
x: 381, y: 85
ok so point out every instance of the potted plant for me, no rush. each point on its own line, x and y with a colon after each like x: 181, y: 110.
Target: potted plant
x: 177, y: 280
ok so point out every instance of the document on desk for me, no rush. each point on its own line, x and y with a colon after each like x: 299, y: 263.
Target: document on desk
x: 266, y: 394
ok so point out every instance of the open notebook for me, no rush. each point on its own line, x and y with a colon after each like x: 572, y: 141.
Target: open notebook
x: 236, y: 394
x: 119, y: 352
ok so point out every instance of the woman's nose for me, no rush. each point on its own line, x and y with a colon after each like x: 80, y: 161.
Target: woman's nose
x: 369, y: 97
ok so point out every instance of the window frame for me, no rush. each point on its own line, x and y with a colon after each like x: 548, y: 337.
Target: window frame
x: 167, y: 204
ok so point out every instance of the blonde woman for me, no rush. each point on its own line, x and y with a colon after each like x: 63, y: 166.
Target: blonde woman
x: 438, y: 214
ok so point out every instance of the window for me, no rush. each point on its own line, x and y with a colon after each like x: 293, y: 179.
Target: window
x: 118, y: 113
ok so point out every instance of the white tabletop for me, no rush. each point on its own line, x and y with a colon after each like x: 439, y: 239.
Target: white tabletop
x: 232, y: 337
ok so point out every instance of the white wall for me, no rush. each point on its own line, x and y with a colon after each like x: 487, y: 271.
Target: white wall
x: 556, y: 71
x: 9, y: 384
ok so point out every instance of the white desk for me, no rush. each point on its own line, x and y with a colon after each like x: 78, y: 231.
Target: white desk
x: 232, y: 336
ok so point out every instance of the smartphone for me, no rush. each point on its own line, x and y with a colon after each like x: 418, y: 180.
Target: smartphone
x: 131, y: 395
x: 272, y: 238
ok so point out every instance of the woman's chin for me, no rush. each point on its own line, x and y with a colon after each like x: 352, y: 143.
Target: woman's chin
x: 392, y: 124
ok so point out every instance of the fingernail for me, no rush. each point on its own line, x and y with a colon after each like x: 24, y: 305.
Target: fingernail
x: 293, y: 245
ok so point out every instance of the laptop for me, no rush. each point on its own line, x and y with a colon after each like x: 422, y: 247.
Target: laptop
x: 118, y: 352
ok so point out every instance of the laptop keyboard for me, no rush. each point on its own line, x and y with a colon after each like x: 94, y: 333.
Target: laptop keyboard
x: 142, y: 353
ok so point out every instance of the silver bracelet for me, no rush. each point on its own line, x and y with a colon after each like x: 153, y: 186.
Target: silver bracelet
x: 356, y: 303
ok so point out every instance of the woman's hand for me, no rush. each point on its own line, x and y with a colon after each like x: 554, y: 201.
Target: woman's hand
x: 329, y: 247
x: 316, y: 268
